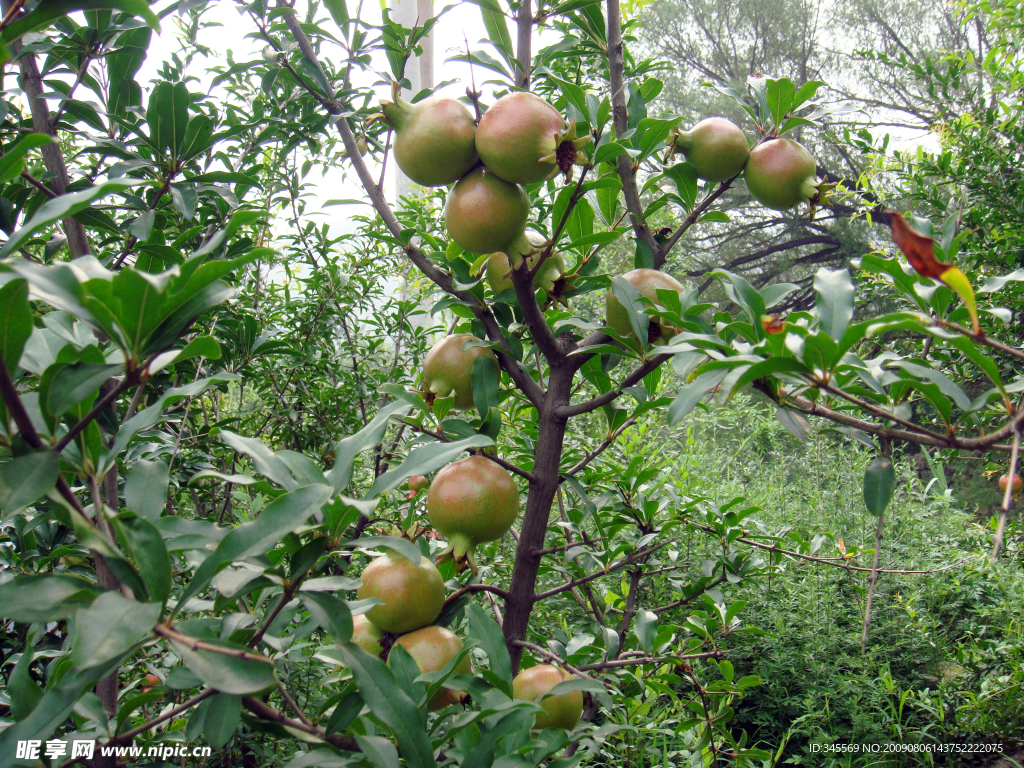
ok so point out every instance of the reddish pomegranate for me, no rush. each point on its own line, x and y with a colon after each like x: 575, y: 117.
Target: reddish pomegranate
x: 432, y: 648
x: 448, y: 368
x: 561, y: 711
x: 417, y: 483
x: 648, y: 282
x: 781, y: 174
x: 524, y: 140
x: 413, y: 594
x: 1005, y: 481
x: 434, y: 138
x: 551, y: 271
x: 366, y: 635
x: 485, y: 214
x: 470, y: 502
x: 716, y: 147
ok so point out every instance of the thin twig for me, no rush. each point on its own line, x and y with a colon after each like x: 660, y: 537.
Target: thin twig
x: 1007, y: 496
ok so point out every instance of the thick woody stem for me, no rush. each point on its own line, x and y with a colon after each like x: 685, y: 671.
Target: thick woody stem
x: 524, y: 34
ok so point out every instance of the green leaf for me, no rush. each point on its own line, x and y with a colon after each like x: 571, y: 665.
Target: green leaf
x: 945, y: 384
x: 24, y: 692
x: 346, y: 450
x: 423, y: 460
x: 280, y: 517
x: 835, y: 301
x: 167, y: 116
x: 779, y: 94
x: 484, y: 378
x: 684, y: 176
x: 498, y: 34
x: 879, y: 484
x: 390, y: 704
x: 404, y: 547
x: 145, y: 491
x: 223, y: 715
x: 12, y: 163
x: 645, y: 627
x: 265, y: 461
x: 744, y: 294
x: 769, y: 367
x: 806, y: 93
x: 321, y: 758
x: 330, y: 613
x: 225, y: 672
x: 795, y: 422
x: 110, y: 627
x: 630, y: 299
x: 76, y: 382
x: 26, y: 479
x: 62, y: 207
x: 483, y: 628
x: 145, y: 546
x: 32, y: 599
x: 379, y: 751
x: 339, y: 12
x: 688, y: 397
x: 15, y: 321
x: 50, y: 11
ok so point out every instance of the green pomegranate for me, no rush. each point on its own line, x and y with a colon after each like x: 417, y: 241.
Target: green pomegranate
x: 524, y: 140
x: 561, y: 711
x: 485, y: 214
x: 716, y: 147
x: 417, y: 483
x: 413, y: 594
x: 470, y: 502
x: 366, y: 635
x: 550, y: 272
x: 432, y: 648
x: 648, y: 282
x: 781, y: 174
x: 448, y: 368
x: 434, y: 139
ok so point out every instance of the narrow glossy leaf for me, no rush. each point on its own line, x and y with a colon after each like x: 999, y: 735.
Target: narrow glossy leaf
x: 167, y: 115
x: 74, y: 383
x: 62, y: 207
x: 110, y: 627
x: 330, y: 613
x: 223, y: 715
x: 13, y: 160
x: 225, y: 672
x: 835, y: 301
x: 31, y: 599
x: 773, y: 294
x: 691, y: 394
x: 484, y: 378
x: 280, y: 517
x: 346, y: 450
x: 629, y: 297
x: 379, y: 751
x: 795, y: 422
x: 265, y: 461
x: 945, y: 384
x: 390, y: 704
x: 50, y: 11
x: 145, y: 545
x: 780, y: 95
x: 26, y: 479
x: 645, y: 627
x: 404, y: 547
x: 423, y: 460
x: 483, y: 628
x: 24, y: 692
x: 15, y: 322
x: 145, y: 491
x: 769, y: 367
x: 879, y: 484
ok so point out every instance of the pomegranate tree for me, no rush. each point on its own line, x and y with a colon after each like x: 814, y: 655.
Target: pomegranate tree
x: 471, y: 502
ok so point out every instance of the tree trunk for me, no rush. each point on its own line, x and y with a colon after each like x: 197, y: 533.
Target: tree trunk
x: 547, y: 459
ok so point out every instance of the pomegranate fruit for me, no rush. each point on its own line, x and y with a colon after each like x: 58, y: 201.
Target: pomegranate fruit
x: 484, y: 214
x: 448, y: 368
x: 561, y: 711
x: 432, y: 648
x: 546, y: 279
x: 1005, y: 481
x: 470, y: 502
x: 648, y: 282
x: 780, y: 174
x: 523, y: 139
x: 417, y: 483
x: 716, y: 147
x: 434, y: 140
x: 413, y: 593
x: 366, y: 635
